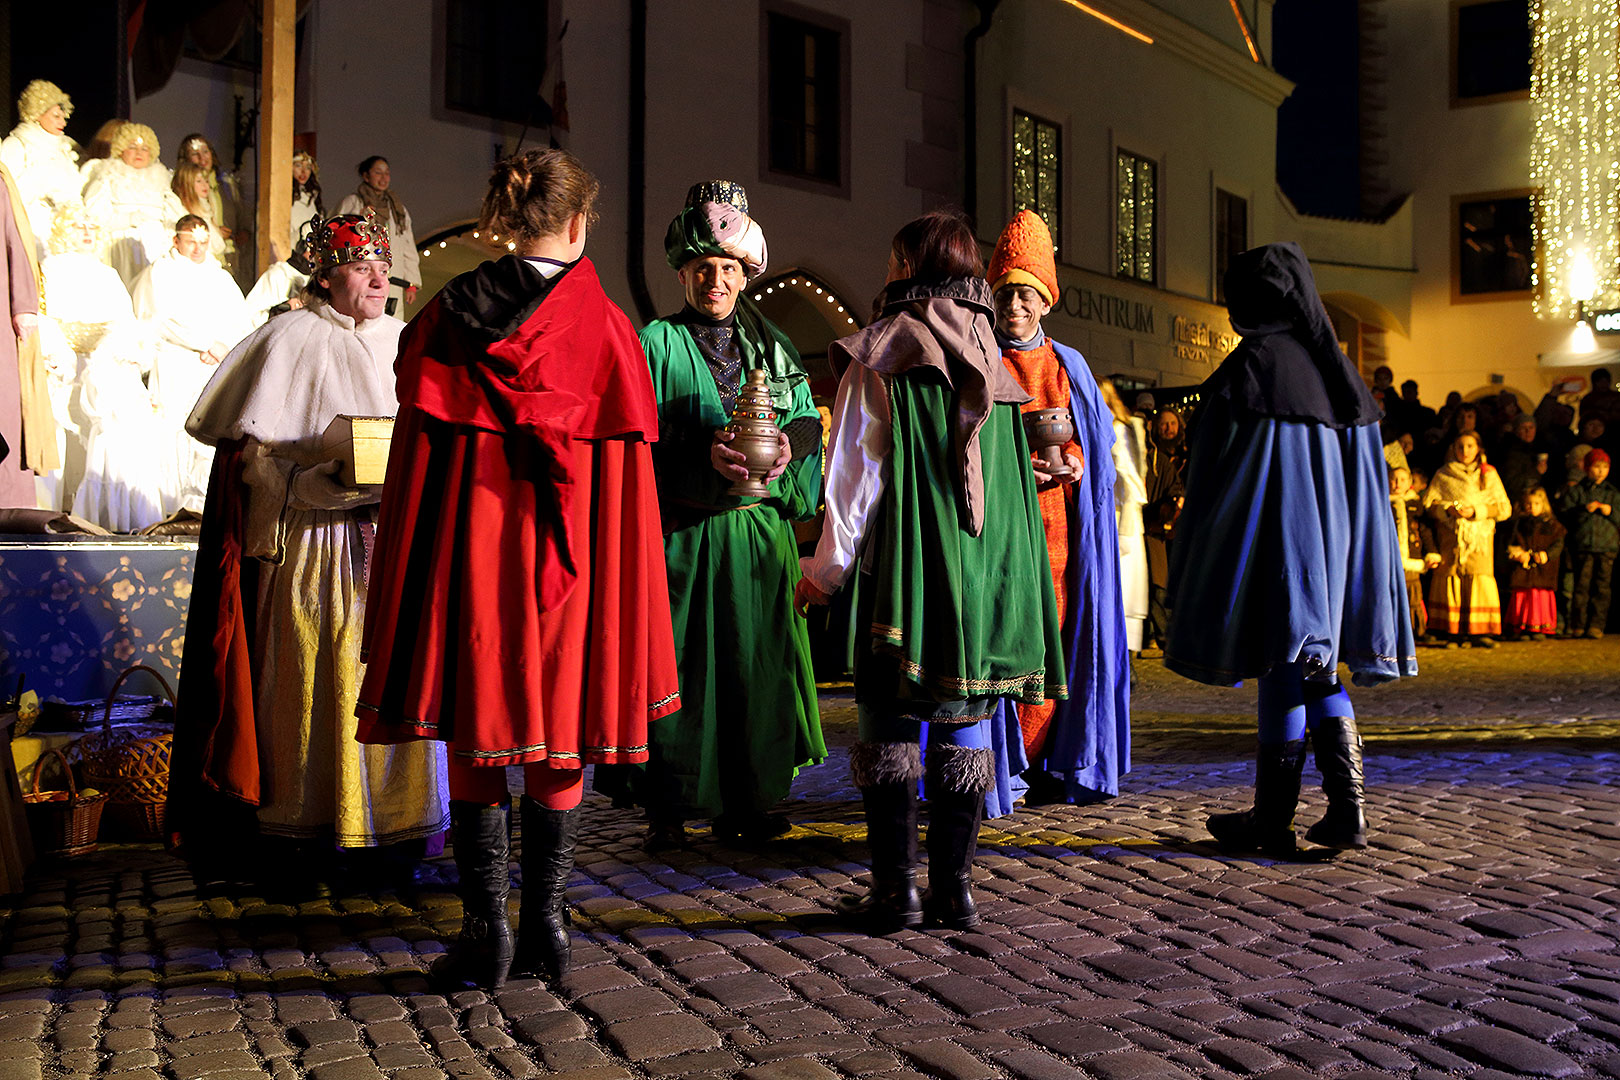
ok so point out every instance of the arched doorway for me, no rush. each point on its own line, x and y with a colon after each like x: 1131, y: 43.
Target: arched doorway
x: 1362, y: 325
x: 812, y: 315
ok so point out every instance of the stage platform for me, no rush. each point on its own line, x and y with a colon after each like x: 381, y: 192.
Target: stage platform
x: 76, y: 611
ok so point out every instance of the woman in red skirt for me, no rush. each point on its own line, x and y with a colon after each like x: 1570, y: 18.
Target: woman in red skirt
x: 518, y: 608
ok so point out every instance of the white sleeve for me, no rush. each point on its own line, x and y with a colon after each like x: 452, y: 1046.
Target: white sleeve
x: 1128, y: 487
x: 857, y: 473
x: 407, y: 260
x: 13, y: 155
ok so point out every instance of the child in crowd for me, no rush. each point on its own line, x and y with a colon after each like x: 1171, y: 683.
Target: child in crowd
x: 1535, y: 542
x: 1594, y: 537
x: 1418, y: 551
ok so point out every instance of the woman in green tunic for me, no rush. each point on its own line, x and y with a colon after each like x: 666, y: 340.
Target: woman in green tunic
x: 748, y: 719
x: 930, y: 491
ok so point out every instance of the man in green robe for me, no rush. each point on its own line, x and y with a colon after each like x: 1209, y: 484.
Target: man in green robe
x: 748, y: 720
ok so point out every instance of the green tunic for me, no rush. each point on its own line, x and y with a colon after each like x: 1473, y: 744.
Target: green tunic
x: 748, y: 718
x: 958, y: 617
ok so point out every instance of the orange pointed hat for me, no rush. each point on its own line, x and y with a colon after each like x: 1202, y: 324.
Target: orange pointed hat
x: 1023, y: 256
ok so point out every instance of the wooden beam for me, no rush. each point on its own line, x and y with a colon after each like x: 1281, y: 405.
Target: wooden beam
x: 276, y: 128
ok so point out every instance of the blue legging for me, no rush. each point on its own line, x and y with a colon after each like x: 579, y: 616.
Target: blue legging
x: 883, y: 725
x: 1290, y: 703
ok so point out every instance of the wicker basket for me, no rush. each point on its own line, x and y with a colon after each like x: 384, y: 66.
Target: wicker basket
x: 64, y: 823
x: 132, y: 766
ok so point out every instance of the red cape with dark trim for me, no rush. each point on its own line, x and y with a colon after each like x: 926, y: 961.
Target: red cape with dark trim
x: 518, y: 605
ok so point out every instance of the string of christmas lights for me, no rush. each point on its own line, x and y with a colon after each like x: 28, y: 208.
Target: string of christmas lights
x: 1575, y: 155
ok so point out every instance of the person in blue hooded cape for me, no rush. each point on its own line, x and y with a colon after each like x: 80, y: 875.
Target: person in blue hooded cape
x: 1285, y: 562
x: 1077, y: 748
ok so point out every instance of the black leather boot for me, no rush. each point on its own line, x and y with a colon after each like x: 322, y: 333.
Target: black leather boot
x: 1268, y: 827
x: 887, y: 775
x: 1337, y: 745
x: 543, y: 917
x: 891, y: 832
x: 482, y: 955
x: 958, y: 777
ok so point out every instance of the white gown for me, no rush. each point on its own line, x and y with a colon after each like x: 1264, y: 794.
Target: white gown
x: 303, y: 211
x: 136, y: 212
x: 46, y: 169
x: 278, y: 284
x: 1130, y: 495
x: 124, y: 466
x: 191, y: 308
x: 279, y: 390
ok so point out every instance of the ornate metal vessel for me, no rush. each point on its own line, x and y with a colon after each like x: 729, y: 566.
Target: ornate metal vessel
x: 1049, y: 431
x: 753, y: 422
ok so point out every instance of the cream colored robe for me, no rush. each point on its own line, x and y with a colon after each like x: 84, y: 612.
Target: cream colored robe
x: 279, y: 389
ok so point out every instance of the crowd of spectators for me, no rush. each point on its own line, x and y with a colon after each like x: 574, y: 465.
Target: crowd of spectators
x: 1506, y: 516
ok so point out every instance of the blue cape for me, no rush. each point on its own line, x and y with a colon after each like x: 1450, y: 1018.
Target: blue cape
x: 1088, y: 745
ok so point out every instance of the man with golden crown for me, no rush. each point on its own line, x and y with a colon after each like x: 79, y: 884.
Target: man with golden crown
x: 1077, y: 748
x: 748, y: 719
x: 273, y: 671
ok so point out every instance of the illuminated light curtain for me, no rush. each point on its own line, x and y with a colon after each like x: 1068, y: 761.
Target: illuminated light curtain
x: 1575, y: 154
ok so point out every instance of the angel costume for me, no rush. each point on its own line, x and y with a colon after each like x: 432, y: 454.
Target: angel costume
x: 193, y: 308
x: 136, y: 212
x: 101, y: 393
x: 47, y: 173
x: 290, y: 715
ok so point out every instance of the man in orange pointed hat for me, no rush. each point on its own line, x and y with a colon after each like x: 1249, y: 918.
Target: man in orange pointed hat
x: 1077, y: 748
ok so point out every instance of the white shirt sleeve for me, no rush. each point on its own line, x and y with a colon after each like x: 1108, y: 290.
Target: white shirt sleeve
x: 857, y: 473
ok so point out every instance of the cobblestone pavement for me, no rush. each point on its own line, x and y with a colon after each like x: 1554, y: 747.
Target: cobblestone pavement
x: 1476, y: 937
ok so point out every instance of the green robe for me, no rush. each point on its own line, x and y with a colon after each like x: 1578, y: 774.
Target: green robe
x: 748, y: 719
x: 957, y: 617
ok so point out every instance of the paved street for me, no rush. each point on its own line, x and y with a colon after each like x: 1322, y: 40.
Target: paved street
x: 1476, y: 937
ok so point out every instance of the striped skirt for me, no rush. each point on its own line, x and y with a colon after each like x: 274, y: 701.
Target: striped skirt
x: 1464, y: 604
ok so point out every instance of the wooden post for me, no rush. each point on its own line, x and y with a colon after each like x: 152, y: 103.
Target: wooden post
x: 276, y: 128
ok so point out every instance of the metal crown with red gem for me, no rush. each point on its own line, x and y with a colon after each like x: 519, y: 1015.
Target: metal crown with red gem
x: 348, y: 238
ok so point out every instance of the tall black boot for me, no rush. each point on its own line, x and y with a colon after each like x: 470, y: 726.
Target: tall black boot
x: 958, y: 777
x: 1267, y: 828
x: 887, y: 774
x: 1337, y: 745
x: 482, y: 955
x: 543, y: 917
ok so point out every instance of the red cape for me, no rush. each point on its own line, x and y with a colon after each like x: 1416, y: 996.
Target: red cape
x: 518, y: 605
x: 216, y: 750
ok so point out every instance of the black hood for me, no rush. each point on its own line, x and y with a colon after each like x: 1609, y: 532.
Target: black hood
x: 492, y: 300
x: 1289, y: 365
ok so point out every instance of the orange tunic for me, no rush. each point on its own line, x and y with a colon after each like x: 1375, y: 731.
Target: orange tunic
x: 1043, y: 378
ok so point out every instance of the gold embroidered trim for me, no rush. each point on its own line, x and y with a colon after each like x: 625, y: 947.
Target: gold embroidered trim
x: 655, y: 706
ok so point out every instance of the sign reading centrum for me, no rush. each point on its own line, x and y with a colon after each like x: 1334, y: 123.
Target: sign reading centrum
x: 1194, y: 341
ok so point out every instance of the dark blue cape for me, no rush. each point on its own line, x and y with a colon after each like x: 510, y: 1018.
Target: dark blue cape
x: 1285, y: 552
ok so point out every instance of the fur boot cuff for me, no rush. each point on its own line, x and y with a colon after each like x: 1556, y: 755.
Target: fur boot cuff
x: 871, y: 764
x: 962, y: 769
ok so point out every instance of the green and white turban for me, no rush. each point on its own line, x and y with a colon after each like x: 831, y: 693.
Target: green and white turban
x: 715, y: 221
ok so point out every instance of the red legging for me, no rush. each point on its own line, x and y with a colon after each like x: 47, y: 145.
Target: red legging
x: 551, y: 787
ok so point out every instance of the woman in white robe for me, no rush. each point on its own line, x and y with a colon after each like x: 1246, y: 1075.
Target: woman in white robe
x: 129, y: 199
x: 1130, y: 495
x: 96, y: 355
x: 41, y: 158
x: 376, y: 193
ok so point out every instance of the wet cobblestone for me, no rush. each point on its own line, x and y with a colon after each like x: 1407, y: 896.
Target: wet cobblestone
x: 1477, y: 936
